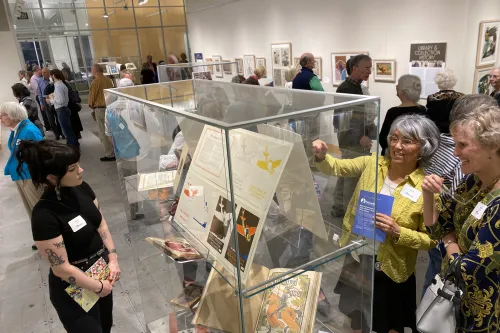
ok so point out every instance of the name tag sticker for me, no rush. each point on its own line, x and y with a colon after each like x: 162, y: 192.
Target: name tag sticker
x: 121, y: 126
x: 77, y: 223
x: 479, y: 210
x: 411, y: 193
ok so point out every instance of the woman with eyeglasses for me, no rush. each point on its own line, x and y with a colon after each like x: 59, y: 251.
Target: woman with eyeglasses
x: 408, y: 90
x: 469, y: 220
x: 413, y: 139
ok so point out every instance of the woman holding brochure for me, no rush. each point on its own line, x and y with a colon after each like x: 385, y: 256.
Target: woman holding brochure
x: 412, y: 141
x: 72, y: 235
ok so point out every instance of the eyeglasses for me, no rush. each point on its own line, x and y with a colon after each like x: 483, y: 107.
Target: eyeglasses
x: 368, y: 69
x: 493, y: 76
x: 405, y: 142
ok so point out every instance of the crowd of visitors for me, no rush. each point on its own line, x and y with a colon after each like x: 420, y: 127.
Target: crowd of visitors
x: 446, y: 152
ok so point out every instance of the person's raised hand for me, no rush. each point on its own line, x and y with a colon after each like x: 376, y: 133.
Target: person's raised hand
x: 432, y: 184
x: 366, y: 142
x: 319, y: 149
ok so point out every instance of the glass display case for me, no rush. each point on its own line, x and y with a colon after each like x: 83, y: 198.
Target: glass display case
x: 230, y: 211
x: 223, y: 70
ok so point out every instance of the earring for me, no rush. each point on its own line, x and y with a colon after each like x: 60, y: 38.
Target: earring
x: 58, y: 192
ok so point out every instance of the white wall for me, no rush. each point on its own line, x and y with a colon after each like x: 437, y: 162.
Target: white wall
x: 385, y: 28
x: 10, y: 63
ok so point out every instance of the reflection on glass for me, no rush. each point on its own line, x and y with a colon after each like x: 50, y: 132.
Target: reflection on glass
x: 124, y: 42
x: 174, y: 40
x: 173, y: 16
x: 149, y: 16
x: 151, y: 44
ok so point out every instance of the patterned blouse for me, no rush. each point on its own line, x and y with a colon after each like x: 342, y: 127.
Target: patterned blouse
x: 479, y: 242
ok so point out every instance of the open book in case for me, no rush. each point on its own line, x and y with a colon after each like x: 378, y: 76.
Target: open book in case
x: 230, y: 221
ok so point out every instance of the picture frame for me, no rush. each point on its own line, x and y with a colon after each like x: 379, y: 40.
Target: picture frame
x: 239, y: 62
x: 210, y: 68
x: 339, y: 70
x: 218, y: 68
x: 281, y: 54
x: 248, y: 65
x: 202, y: 75
x: 318, y: 68
x: 384, y: 70
x: 487, y: 43
x: 296, y: 63
x: 279, y: 77
x: 481, y: 81
x: 227, y: 67
x: 261, y: 62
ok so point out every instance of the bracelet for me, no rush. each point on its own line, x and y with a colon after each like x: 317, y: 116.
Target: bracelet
x: 102, y: 287
x: 112, y: 251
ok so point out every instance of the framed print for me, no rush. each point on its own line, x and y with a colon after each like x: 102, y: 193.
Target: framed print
x: 296, y: 63
x: 248, y: 65
x: 481, y: 81
x: 339, y: 70
x: 261, y: 62
x: 487, y: 50
x: 318, y: 67
x: 281, y: 54
x: 239, y: 62
x: 384, y: 70
x: 279, y: 77
x: 202, y: 75
x: 227, y: 67
x: 218, y: 68
x: 210, y: 68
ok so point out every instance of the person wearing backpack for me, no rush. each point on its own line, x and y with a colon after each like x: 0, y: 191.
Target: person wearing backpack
x: 23, y: 95
x: 128, y: 125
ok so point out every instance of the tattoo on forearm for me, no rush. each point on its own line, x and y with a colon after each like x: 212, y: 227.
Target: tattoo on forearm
x: 59, y: 245
x: 53, y: 258
x: 72, y: 280
x: 104, y: 235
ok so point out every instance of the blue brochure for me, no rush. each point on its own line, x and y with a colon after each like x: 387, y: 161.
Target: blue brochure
x: 365, y: 213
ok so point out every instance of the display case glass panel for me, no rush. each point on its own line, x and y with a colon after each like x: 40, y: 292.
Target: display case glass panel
x: 230, y: 212
x: 214, y: 70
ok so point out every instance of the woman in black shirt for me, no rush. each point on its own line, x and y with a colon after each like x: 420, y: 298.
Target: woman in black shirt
x: 70, y: 233
x: 408, y: 90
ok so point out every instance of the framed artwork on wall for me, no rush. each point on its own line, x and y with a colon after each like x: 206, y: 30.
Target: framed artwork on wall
x: 487, y: 50
x: 261, y: 62
x: 296, y: 63
x: 218, y: 68
x: 339, y: 70
x: 279, y: 77
x: 239, y: 62
x: 210, y: 68
x: 227, y: 67
x: 384, y: 70
x: 318, y: 67
x: 481, y: 81
x: 248, y: 65
x: 281, y: 54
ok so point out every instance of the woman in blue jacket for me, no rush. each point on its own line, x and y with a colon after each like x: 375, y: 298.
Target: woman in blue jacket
x: 15, y: 117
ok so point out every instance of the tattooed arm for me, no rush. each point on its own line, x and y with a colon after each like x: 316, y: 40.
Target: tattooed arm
x: 114, y: 268
x: 54, y: 251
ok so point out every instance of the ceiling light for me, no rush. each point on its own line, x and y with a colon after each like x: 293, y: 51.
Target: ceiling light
x: 143, y: 2
x: 156, y: 13
x: 105, y: 15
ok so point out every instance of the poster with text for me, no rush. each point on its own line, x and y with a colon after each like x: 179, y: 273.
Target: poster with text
x: 426, y: 60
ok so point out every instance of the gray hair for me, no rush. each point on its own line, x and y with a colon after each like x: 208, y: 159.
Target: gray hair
x: 22, y: 72
x: 125, y: 83
x: 446, y: 80
x: 419, y: 128
x: 35, y: 68
x: 411, y: 86
x: 468, y: 103
x: 290, y: 73
x: 357, y: 59
x: 14, y: 111
x: 484, y: 122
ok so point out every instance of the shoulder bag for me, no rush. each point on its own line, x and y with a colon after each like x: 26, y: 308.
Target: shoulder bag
x: 439, y: 309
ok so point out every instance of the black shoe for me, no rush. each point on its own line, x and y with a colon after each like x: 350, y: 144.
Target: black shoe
x: 138, y: 216
x: 107, y: 159
x: 33, y: 247
x: 58, y: 138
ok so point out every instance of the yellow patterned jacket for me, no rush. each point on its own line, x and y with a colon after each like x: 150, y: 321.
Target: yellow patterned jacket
x: 398, y: 256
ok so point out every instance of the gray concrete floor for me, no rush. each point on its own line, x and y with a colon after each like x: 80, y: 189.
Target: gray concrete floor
x: 148, y: 279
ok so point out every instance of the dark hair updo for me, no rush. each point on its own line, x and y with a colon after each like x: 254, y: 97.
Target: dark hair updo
x: 46, y: 157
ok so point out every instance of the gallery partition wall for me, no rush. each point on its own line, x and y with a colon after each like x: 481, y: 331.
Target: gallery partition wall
x: 77, y: 33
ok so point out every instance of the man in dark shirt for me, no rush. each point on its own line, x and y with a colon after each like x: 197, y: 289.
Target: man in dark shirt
x: 356, y: 138
x: 495, y: 83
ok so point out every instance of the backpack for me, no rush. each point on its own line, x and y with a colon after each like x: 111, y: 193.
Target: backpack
x: 74, y: 99
x: 126, y: 145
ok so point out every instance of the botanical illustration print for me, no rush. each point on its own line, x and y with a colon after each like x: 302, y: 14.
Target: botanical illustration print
x: 283, y: 306
x: 277, y: 77
x: 276, y: 57
x: 249, y: 65
x: 489, y: 42
x: 239, y: 62
x: 482, y: 82
x: 285, y: 57
x: 478, y: 240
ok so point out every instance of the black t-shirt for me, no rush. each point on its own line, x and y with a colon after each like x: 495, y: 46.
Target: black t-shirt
x: 50, y: 219
x: 148, y: 76
x: 391, y: 115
